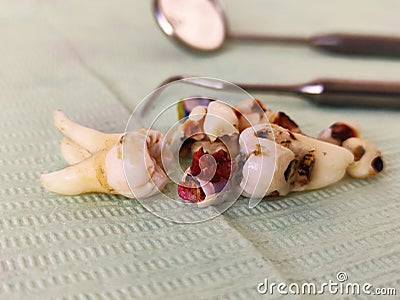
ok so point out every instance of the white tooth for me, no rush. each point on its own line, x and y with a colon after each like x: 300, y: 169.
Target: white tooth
x: 104, y: 171
x: 248, y: 139
x: 72, y: 152
x: 264, y: 170
x: 198, y: 113
x: 87, y: 138
x: 220, y: 120
x: 367, y: 158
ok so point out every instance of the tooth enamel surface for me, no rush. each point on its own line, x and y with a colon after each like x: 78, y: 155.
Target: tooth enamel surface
x: 252, y: 112
x: 141, y: 153
x: 220, y: 120
x: 248, y: 139
x: 264, y: 170
x: 367, y: 158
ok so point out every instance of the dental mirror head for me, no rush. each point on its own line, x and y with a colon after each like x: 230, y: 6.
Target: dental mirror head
x: 201, y: 25
x: 197, y: 24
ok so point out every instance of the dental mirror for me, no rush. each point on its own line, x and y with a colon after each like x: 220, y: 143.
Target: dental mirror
x: 197, y: 24
x: 201, y: 25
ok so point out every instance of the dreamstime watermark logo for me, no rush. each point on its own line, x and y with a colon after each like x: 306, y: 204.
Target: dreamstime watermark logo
x: 340, y: 286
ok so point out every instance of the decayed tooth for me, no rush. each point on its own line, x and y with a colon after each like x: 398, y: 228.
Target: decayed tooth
x: 253, y: 112
x: 264, y: 172
x: 72, y: 152
x: 283, y: 120
x: 315, y: 163
x: 220, y: 120
x: 338, y: 132
x: 208, y: 176
x: 367, y: 158
x: 330, y: 162
x: 87, y: 138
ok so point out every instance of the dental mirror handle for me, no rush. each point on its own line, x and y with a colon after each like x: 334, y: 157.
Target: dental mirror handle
x: 357, y: 44
x: 338, y: 92
x: 342, y: 43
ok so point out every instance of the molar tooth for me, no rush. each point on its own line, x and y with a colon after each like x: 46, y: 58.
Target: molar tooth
x: 264, y: 170
x: 105, y: 170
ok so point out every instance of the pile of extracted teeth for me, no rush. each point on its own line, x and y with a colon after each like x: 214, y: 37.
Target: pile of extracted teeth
x: 264, y: 153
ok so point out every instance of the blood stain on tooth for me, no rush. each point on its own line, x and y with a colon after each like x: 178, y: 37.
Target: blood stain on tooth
x: 190, y: 190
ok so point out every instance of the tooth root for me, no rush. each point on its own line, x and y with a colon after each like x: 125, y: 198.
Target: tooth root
x: 72, y: 152
x: 88, y: 138
x: 84, y: 177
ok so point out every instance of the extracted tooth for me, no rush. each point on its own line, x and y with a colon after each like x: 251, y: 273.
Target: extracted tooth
x: 220, y: 120
x: 72, y: 152
x: 338, y: 132
x: 208, y: 176
x: 367, y: 158
x: 103, y: 172
x: 253, y: 112
x: 87, y: 138
x: 315, y: 163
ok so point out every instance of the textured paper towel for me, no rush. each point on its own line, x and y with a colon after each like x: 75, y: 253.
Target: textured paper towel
x: 96, y: 61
